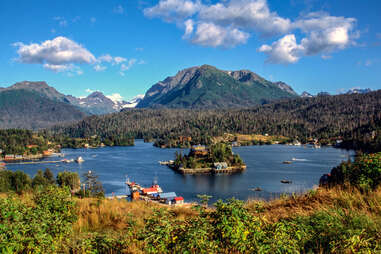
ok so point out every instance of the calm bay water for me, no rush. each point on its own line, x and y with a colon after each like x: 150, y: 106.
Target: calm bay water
x: 264, y: 170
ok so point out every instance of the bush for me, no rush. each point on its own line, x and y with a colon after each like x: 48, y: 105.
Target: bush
x: 69, y: 179
x: 40, y: 228
x: 364, y: 173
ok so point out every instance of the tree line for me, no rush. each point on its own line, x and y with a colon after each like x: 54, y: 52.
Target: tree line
x: 355, y: 118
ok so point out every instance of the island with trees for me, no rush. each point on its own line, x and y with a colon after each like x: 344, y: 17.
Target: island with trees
x: 217, y: 158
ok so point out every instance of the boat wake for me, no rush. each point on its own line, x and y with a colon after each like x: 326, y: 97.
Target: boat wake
x: 295, y: 159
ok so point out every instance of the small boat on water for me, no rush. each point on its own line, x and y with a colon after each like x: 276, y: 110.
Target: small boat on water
x: 170, y: 162
x: 287, y: 162
x: 317, y: 146
x: 79, y: 160
x: 285, y: 181
x: 256, y: 189
x: 67, y: 160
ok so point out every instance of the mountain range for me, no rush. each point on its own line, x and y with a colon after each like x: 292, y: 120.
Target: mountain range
x: 95, y: 103
x: 37, y: 105
x: 208, y: 87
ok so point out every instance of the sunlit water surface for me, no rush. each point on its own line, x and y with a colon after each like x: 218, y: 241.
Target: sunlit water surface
x: 264, y: 170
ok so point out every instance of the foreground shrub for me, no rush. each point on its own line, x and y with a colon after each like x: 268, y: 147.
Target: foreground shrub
x: 364, y: 173
x: 39, y: 228
x: 339, y: 232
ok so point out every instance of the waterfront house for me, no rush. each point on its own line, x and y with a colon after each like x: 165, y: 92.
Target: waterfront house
x: 220, y: 165
x: 199, y: 150
x: 9, y: 157
x: 150, y: 191
x: 178, y: 200
x: 167, y: 197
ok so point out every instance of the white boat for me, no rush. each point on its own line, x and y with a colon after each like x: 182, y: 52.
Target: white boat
x: 79, y: 159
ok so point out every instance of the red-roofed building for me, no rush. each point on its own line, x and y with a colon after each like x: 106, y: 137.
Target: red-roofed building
x: 179, y: 200
x: 151, y: 190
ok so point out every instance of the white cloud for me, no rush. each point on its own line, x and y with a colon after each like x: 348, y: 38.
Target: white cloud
x: 57, y: 67
x: 61, y: 21
x: 58, y: 51
x: 88, y: 90
x: 326, y: 57
x: 115, y: 97
x: 126, y: 67
x: 171, y: 10
x: 119, y: 9
x: 69, y: 69
x: 326, y: 33
x: 62, y: 54
x: 209, y: 34
x: 283, y: 51
x: 188, y: 28
x: 105, y: 58
x: 119, y: 59
x: 99, y: 67
x: 110, y: 59
x: 248, y: 14
x: 231, y: 22
x: 59, y: 54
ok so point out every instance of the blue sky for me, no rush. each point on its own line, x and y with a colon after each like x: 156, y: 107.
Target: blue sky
x: 124, y: 47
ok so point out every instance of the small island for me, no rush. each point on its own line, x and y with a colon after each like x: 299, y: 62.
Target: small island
x: 217, y: 158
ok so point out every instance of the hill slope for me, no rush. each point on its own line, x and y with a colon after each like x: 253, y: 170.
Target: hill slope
x: 20, y: 108
x: 209, y: 87
x: 95, y: 103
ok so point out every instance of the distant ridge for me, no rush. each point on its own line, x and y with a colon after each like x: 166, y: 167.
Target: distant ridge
x: 208, y: 87
x: 26, y: 109
x: 95, y: 103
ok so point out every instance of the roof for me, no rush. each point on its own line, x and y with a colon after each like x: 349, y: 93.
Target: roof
x: 179, y: 198
x: 148, y: 190
x: 168, y: 195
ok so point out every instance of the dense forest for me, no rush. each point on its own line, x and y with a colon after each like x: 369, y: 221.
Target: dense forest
x: 355, y: 118
x: 29, y: 109
x: 15, y: 141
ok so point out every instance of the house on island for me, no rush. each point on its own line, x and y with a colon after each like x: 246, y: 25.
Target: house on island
x: 199, y: 150
x: 220, y: 165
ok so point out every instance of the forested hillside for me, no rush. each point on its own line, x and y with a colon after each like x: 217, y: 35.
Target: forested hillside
x: 21, y: 108
x: 355, y: 116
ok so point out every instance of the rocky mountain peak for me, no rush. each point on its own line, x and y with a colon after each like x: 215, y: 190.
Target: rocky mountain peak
x: 285, y: 87
x: 306, y: 95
